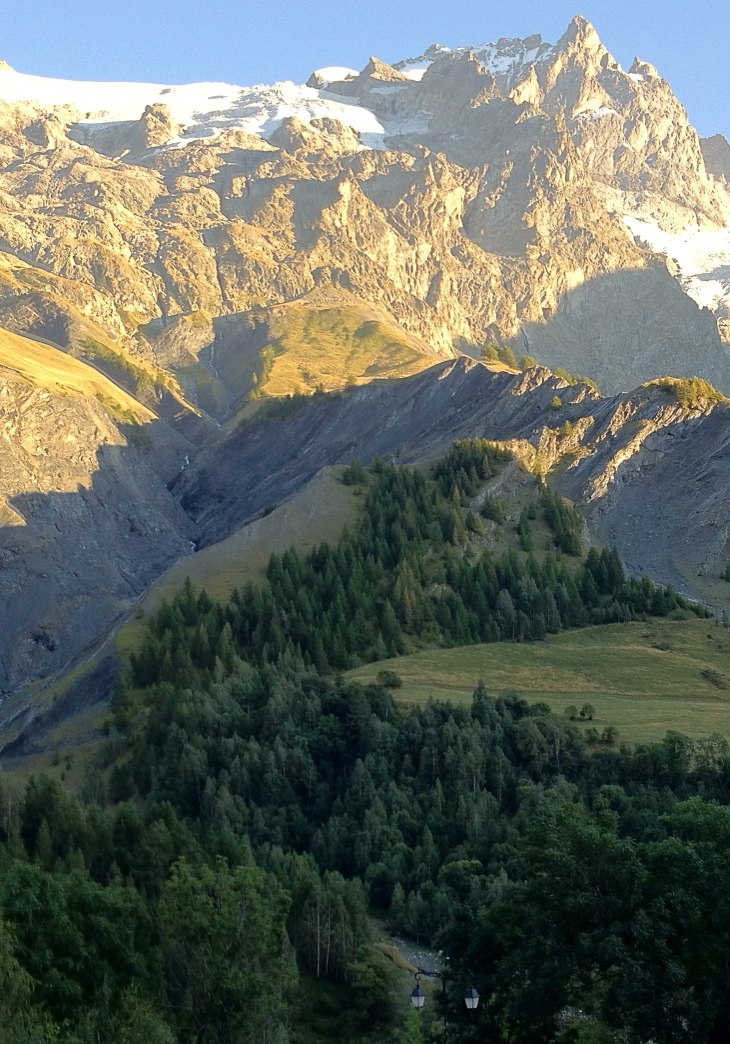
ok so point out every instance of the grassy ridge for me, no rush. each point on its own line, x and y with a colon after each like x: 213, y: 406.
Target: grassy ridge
x: 47, y: 367
x: 329, y: 347
x: 642, y: 677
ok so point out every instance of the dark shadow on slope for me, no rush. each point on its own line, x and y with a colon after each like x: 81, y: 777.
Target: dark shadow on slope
x: 628, y: 327
x: 78, y: 560
x: 265, y: 460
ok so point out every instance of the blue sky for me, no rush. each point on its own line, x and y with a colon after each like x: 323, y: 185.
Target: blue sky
x: 179, y: 41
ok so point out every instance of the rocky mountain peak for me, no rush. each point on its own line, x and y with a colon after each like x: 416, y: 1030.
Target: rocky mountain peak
x: 571, y: 75
x: 641, y: 68
x: 378, y: 70
x: 582, y: 36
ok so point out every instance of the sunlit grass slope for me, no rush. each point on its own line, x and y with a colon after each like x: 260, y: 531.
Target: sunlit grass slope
x: 643, y: 678
x: 329, y: 347
x: 49, y: 368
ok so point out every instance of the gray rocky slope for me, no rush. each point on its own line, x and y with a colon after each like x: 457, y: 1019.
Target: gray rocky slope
x: 650, y: 475
x: 83, y: 532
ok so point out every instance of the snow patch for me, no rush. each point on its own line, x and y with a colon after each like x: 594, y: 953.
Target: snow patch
x: 203, y: 110
x: 109, y: 102
x: 702, y: 257
x: 333, y: 73
x: 391, y: 88
x: 415, y: 70
x: 417, y: 124
x: 507, y: 60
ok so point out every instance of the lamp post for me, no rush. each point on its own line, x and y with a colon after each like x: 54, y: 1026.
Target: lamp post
x: 418, y: 997
x: 471, y: 998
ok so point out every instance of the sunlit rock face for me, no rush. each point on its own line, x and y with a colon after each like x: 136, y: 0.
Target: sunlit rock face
x: 468, y: 194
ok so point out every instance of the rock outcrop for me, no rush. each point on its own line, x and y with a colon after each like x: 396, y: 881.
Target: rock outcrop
x: 716, y: 154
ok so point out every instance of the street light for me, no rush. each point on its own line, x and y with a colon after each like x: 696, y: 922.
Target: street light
x: 471, y: 998
x: 418, y: 997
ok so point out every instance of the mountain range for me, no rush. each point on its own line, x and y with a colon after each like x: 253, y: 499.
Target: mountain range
x: 208, y: 293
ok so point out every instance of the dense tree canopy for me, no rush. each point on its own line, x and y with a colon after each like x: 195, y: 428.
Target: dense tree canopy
x: 251, y: 809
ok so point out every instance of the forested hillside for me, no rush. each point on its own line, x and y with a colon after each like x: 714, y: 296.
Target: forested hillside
x: 418, y: 568
x: 251, y: 809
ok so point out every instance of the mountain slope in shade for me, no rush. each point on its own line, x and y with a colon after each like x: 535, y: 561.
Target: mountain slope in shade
x: 651, y: 473
x: 86, y: 520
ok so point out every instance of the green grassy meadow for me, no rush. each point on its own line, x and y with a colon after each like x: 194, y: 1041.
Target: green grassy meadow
x: 644, y: 678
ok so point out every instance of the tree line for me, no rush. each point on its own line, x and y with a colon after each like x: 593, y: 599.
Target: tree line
x: 413, y: 572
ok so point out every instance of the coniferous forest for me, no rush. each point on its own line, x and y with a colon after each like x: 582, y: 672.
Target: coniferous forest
x: 252, y: 810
